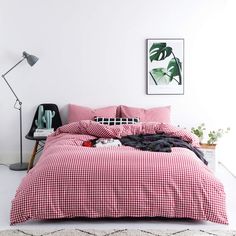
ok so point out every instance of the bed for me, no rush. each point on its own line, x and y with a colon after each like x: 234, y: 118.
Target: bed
x: 71, y: 180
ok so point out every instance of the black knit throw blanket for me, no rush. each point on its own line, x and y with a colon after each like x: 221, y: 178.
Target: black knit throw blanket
x: 159, y: 143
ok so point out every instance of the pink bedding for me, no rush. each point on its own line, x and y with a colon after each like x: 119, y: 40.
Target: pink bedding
x: 75, y: 181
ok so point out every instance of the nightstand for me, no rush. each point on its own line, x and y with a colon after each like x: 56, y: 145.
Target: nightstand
x: 209, y: 151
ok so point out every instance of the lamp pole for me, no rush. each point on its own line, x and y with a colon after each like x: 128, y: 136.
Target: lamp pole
x: 18, y: 105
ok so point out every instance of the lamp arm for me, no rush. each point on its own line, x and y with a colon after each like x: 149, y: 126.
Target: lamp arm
x: 17, y: 99
x: 14, y: 66
x: 3, y: 76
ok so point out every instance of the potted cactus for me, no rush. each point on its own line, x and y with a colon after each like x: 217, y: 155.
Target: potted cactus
x: 47, y: 118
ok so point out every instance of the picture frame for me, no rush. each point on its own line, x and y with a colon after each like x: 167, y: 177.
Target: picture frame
x: 165, y: 66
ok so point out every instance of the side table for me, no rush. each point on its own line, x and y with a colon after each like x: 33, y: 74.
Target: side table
x: 209, y: 151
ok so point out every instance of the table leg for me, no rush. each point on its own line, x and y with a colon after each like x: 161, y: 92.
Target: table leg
x: 31, y: 162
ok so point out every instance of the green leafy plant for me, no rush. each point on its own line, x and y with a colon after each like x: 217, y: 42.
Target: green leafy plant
x: 159, y: 52
x: 199, y: 131
x: 213, y: 136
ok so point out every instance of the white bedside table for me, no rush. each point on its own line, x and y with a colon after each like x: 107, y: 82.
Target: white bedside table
x: 209, y: 151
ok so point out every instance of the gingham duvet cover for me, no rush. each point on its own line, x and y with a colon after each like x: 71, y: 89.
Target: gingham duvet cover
x: 70, y: 180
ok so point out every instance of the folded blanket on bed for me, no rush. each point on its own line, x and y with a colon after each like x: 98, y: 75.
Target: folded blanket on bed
x: 97, y: 130
x: 159, y: 143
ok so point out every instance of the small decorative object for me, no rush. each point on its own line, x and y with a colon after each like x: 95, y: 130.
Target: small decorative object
x: 39, y: 122
x: 213, y: 136
x: 47, y: 118
x: 165, y: 66
x: 199, y: 131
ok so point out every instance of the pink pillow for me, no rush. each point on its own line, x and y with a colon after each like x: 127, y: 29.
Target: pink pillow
x: 77, y: 113
x: 156, y: 114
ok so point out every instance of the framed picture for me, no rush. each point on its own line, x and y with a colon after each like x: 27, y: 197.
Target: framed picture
x: 165, y: 66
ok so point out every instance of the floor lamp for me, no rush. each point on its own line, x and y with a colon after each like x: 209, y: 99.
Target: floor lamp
x: 18, y: 105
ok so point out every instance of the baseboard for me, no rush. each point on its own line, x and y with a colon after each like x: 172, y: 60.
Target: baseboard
x: 8, y: 158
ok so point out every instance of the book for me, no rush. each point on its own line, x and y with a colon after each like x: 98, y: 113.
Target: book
x: 43, y: 132
x: 102, y: 142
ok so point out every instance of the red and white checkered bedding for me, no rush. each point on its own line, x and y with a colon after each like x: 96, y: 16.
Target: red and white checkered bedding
x: 70, y: 180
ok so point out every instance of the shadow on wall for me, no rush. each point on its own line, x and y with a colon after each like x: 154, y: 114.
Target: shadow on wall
x: 64, y: 113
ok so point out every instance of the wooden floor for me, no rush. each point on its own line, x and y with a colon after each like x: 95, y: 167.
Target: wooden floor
x: 9, y: 181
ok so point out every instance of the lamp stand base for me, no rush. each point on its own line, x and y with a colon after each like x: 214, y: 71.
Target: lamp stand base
x: 19, y: 166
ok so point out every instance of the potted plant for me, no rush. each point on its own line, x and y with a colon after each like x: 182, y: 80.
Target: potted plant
x: 213, y: 135
x: 199, y: 131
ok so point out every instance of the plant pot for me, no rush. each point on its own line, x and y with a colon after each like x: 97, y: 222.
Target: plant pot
x: 208, y: 146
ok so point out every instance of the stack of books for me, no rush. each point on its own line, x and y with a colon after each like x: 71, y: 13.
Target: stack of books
x: 43, y: 132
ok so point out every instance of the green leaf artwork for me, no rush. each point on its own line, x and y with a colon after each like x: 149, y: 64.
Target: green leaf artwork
x: 164, y: 76
x: 161, y: 76
x: 159, y: 51
x: 173, y: 66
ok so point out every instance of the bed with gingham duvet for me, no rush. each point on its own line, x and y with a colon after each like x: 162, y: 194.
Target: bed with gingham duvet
x: 71, y: 180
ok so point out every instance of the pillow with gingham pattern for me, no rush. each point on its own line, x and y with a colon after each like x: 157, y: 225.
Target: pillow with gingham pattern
x: 116, y: 121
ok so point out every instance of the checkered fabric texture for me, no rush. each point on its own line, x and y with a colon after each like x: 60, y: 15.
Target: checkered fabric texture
x: 116, y: 121
x: 70, y: 180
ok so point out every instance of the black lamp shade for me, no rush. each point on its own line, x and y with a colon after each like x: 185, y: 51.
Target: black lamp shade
x: 31, y: 59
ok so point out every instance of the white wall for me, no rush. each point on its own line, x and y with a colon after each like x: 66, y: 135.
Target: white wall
x: 93, y: 53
